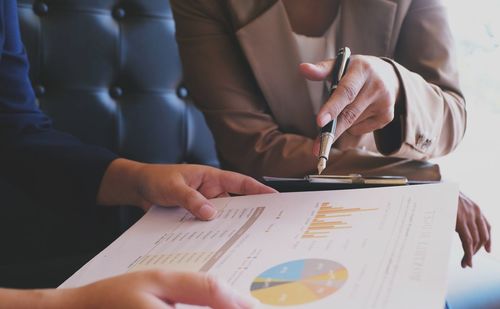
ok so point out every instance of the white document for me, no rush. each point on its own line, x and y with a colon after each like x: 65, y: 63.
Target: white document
x: 365, y: 248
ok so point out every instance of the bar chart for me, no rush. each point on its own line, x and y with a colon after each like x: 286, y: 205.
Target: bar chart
x: 329, y: 218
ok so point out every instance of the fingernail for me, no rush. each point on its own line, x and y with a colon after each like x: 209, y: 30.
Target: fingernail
x: 240, y: 300
x: 207, y: 212
x: 246, y: 302
x: 324, y: 119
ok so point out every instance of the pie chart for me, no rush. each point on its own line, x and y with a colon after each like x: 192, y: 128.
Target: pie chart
x: 299, y: 282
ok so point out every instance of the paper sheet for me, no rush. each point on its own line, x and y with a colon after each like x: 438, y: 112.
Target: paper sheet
x: 366, y: 248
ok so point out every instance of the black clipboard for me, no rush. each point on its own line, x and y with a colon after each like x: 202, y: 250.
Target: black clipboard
x: 335, y: 182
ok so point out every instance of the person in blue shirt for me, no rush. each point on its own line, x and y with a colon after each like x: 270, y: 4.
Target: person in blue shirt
x: 55, y: 166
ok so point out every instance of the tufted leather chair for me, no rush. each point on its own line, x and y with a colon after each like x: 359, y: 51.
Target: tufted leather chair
x: 108, y: 72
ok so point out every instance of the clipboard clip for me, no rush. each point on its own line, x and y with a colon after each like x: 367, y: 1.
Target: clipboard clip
x: 358, y: 179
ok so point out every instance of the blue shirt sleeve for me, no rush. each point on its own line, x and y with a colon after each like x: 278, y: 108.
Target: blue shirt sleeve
x: 51, y: 165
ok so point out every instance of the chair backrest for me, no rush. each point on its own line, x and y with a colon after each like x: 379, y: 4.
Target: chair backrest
x: 108, y: 71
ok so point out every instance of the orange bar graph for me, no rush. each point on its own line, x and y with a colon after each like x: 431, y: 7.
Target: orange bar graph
x: 317, y: 233
x: 332, y: 223
x: 326, y: 220
x: 336, y: 211
x: 320, y: 216
x: 314, y: 236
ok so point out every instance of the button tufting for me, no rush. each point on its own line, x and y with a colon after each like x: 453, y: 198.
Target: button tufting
x: 116, y: 92
x: 41, y: 8
x: 182, y: 92
x: 39, y: 91
x: 119, y: 13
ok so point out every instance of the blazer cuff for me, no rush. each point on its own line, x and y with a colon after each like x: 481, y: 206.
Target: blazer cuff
x: 413, y: 142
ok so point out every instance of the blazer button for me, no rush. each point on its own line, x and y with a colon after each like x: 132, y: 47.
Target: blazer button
x: 182, y: 92
x: 41, y: 8
x: 119, y: 13
x: 116, y: 92
x: 39, y: 91
x: 419, y: 139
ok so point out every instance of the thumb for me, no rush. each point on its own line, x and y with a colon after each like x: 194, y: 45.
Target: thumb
x: 316, y: 72
x: 203, y: 289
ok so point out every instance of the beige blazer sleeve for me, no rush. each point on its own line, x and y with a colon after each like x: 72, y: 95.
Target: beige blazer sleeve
x: 433, y: 113
x: 248, y: 137
x: 221, y: 83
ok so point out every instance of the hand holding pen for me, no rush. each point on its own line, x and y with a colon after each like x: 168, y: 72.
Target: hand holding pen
x: 364, y: 99
x: 327, y: 135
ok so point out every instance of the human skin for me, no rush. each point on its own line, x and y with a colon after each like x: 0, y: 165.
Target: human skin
x: 364, y: 102
x: 154, y: 289
x: 127, y: 182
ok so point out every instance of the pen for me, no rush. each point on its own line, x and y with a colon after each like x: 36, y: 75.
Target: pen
x: 327, y: 134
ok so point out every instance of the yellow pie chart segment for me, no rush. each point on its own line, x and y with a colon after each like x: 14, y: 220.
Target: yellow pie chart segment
x: 299, y: 282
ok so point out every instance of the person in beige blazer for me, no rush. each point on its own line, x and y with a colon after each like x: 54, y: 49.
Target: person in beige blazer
x: 400, y: 99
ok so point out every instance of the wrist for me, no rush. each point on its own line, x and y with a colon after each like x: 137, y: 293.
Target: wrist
x: 396, y: 80
x: 389, y: 139
x: 57, y: 299
x: 35, y: 299
x: 120, y: 184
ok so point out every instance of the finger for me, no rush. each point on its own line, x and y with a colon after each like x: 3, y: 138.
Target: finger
x: 350, y: 116
x: 239, y: 184
x: 484, y: 234
x: 372, y: 119
x: 347, y: 91
x: 367, y: 125
x: 474, y: 231
x: 487, y: 231
x: 200, y: 289
x: 473, y: 220
x: 317, y: 72
x: 466, y: 238
x: 488, y: 243
x: 194, y: 202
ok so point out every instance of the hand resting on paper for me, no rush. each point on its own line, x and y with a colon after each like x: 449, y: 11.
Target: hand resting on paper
x: 144, y: 289
x: 473, y: 229
x: 190, y: 186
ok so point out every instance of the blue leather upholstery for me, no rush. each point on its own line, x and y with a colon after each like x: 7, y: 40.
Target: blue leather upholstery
x: 108, y: 72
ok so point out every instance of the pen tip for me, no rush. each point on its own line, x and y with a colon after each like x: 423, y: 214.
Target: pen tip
x: 321, y: 165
